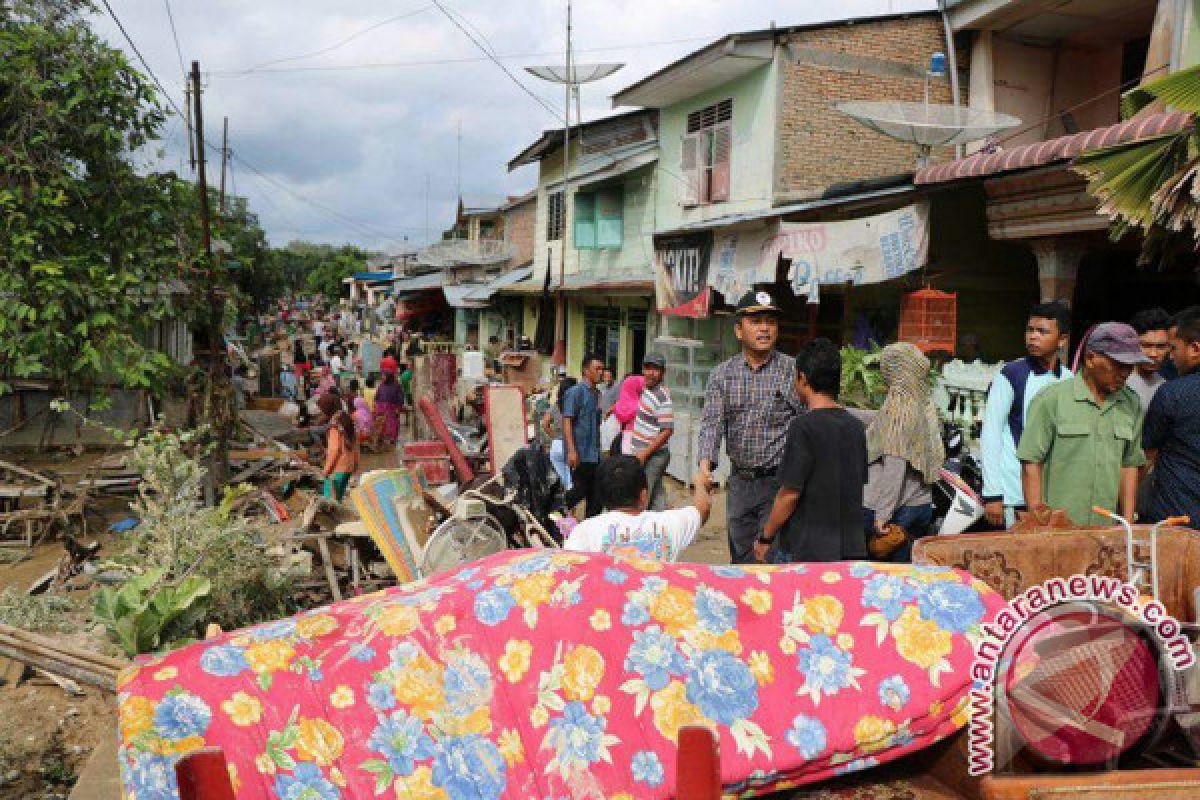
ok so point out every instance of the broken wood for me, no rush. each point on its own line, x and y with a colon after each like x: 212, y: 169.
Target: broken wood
x: 59, y: 658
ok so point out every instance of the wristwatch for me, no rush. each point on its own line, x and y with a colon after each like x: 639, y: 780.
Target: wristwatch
x: 765, y: 540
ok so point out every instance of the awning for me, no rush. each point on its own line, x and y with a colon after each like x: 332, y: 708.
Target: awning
x: 612, y: 164
x: 459, y: 296
x: 501, y: 281
x: 380, y: 275
x: 420, y: 283
x: 1050, y: 151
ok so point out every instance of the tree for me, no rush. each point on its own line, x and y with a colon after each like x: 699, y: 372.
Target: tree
x: 86, y: 243
x: 1151, y: 185
x: 321, y: 268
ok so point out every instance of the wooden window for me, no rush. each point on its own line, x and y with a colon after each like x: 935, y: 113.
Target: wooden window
x: 599, y: 220
x: 707, y: 150
x: 554, y: 216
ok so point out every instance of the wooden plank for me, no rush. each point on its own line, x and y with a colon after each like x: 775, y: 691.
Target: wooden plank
x: 327, y: 561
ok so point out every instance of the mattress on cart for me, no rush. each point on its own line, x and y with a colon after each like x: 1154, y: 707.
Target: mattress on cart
x: 534, y: 674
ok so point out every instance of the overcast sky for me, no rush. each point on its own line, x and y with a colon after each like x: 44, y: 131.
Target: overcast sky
x: 364, y: 142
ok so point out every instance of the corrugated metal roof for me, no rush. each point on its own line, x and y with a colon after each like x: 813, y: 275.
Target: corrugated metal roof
x: 1063, y: 148
x: 501, y: 281
x: 421, y: 282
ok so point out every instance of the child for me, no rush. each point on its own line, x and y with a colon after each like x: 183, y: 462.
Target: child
x: 341, y: 456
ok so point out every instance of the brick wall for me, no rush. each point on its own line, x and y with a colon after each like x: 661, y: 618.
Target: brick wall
x: 884, y: 60
x: 519, y: 231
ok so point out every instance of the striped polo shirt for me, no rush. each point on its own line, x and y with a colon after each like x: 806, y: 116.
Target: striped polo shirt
x: 655, y: 414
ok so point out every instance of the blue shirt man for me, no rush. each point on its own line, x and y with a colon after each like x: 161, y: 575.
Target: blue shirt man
x: 581, y: 435
x: 1171, y: 433
x: 1012, y: 390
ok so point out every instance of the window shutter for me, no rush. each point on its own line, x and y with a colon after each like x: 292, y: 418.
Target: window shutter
x: 690, y: 167
x: 610, y: 221
x: 722, y: 147
x: 585, y: 221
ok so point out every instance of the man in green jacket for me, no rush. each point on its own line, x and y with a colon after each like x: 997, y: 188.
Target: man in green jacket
x: 1081, y: 447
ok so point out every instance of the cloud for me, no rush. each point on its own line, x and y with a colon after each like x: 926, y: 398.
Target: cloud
x: 367, y: 142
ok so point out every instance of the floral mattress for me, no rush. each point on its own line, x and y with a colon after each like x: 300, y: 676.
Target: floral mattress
x: 539, y: 674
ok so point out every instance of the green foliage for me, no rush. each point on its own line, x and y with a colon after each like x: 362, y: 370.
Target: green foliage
x: 40, y: 613
x: 862, y: 383
x: 319, y: 268
x: 146, y: 613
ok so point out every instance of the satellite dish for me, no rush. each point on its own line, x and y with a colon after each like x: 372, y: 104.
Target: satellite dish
x: 461, y: 541
x: 580, y: 73
x: 928, y: 125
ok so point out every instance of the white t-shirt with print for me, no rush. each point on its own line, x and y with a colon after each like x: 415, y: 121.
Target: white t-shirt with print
x: 336, y: 365
x: 660, y: 535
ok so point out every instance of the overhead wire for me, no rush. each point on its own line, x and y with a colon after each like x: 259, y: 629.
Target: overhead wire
x: 175, y: 36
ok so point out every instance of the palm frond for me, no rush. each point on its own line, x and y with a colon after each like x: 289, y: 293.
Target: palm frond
x: 1125, y: 178
x: 1180, y: 90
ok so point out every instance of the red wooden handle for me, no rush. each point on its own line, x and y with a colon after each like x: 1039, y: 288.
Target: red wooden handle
x: 698, y: 768
x: 203, y: 775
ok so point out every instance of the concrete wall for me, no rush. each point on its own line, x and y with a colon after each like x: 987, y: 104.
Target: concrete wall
x: 886, y: 60
x: 519, y: 231
x: 754, y: 118
x: 635, y: 258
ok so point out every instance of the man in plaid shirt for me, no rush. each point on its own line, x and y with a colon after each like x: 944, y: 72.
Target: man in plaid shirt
x: 750, y: 402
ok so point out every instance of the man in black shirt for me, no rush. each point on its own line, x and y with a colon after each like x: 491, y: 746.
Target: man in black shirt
x: 817, y: 514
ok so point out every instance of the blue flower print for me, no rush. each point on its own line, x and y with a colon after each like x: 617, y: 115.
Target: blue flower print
x: 402, y: 741
x: 826, y: 668
x: 224, y: 661
x: 726, y: 571
x: 807, y: 735
x: 151, y: 777
x: 381, y: 697
x: 950, y: 605
x: 305, y: 783
x: 655, y: 656
x: 647, y: 768
x: 280, y: 629
x: 181, y: 715
x: 894, y: 692
x: 654, y: 584
x: 857, y: 765
x: 861, y: 569
x: 722, y: 687
x: 492, y: 606
x: 615, y: 576
x: 362, y: 652
x: 530, y: 565
x: 401, y: 654
x: 577, y: 737
x: 888, y: 593
x: 716, y: 612
x: 634, y: 614
x: 470, y: 766
x: 468, y: 683
x: 474, y: 586
x: 466, y: 574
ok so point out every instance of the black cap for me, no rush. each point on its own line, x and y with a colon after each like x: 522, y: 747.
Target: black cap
x: 757, y: 301
x: 655, y: 360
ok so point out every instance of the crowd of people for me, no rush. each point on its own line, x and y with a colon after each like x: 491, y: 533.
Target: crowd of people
x: 810, y: 480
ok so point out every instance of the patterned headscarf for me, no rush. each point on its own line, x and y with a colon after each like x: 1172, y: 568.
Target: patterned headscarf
x: 907, y: 426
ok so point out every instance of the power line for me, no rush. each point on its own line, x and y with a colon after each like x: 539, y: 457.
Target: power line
x: 345, y: 41
x: 553, y: 111
x: 175, y: 36
x: 440, y: 62
x: 142, y: 59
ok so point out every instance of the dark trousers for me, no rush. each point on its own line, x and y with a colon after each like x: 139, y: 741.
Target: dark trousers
x: 748, y: 506
x: 914, y: 519
x: 583, y: 487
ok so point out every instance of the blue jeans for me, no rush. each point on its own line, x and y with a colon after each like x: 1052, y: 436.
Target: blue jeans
x: 914, y: 519
x: 558, y: 459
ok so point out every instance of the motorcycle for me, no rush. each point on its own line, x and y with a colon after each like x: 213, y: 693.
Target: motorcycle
x: 957, y: 502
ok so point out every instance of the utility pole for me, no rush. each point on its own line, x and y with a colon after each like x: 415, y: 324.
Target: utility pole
x: 218, y: 403
x: 224, y: 160
x: 187, y: 107
x: 560, y: 319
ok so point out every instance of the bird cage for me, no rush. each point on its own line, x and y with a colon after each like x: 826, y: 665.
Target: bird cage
x: 929, y: 319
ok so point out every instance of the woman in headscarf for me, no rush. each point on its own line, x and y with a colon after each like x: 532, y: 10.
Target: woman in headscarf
x: 904, y: 449
x: 626, y: 408
x: 389, y: 400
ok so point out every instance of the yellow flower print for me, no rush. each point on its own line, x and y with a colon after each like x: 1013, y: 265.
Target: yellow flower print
x: 445, y: 624
x: 641, y: 564
x: 337, y: 777
x: 234, y: 781
x: 822, y: 614
x: 316, y: 625
x: 787, y: 645
x: 264, y: 764
x: 342, y: 697
x: 419, y: 686
x: 137, y: 716
x: 622, y: 796
x: 706, y: 640
x: 270, y: 656
x: 319, y: 742
x: 962, y: 712
x: 174, y: 747
x: 920, y: 641
x: 935, y: 708
x: 419, y: 786
x: 242, y: 640
x: 478, y: 721
x: 830, y: 577
x: 126, y: 675
x: 759, y: 600
x: 675, y: 608
x: 601, y: 705
x: 845, y: 641
x: 687, y: 573
x: 539, y: 716
x: 398, y: 620
x: 515, y: 661
x: 534, y: 590
x: 583, y: 669
x: 600, y: 620
x: 672, y: 710
x: 873, y: 734
x: 166, y: 674
x: 761, y: 667
x: 243, y: 709
x: 510, y: 747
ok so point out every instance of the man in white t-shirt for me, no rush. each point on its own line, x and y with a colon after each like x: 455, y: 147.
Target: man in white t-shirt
x: 627, y: 527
